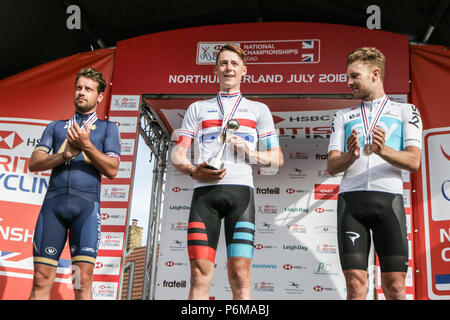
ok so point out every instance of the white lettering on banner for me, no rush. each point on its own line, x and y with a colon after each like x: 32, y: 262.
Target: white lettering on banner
x: 18, y: 137
x: 16, y: 234
x: 444, y: 256
x: 196, y: 78
x: 297, y: 78
x: 262, y: 78
x: 443, y: 233
x: 268, y: 78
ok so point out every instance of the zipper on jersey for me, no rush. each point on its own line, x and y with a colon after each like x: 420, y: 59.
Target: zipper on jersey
x: 69, y: 163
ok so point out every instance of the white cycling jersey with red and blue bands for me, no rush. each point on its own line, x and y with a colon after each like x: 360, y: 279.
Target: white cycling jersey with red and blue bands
x: 205, y: 121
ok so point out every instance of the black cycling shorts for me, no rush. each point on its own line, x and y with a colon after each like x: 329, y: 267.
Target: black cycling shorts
x: 361, y: 211
x: 233, y: 203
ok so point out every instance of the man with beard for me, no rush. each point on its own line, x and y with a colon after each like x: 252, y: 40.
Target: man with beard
x: 372, y: 143
x: 84, y: 147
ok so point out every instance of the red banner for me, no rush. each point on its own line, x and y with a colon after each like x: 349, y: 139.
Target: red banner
x: 294, y: 57
x: 430, y: 76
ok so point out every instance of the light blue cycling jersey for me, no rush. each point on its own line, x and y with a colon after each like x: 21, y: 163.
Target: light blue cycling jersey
x: 403, y: 127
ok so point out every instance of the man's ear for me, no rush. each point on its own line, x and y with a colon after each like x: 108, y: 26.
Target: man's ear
x: 376, y: 74
x: 244, y: 70
x: 100, y: 97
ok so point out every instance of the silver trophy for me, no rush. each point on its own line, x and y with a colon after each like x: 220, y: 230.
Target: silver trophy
x: 216, y: 162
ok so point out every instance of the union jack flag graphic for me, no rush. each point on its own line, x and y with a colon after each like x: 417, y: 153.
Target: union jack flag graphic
x: 310, y: 51
x: 20, y: 265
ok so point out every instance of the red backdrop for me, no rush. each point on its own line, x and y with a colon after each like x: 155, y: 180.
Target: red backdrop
x: 430, y: 92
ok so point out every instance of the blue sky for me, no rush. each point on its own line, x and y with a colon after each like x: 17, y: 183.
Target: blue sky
x: 143, y: 176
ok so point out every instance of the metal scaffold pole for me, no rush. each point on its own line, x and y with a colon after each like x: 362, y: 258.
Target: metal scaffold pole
x: 157, y: 137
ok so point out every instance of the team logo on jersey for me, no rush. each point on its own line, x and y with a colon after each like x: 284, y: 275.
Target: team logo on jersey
x: 353, y: 236
x: 51, y: 251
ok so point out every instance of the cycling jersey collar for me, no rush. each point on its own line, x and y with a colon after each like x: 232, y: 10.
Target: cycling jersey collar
x: 90, y: 118
x: 233, y: 94
x: 84, y: 115
x: 373, y: 103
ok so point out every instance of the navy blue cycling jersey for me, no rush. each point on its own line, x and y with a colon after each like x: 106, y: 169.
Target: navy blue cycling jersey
x: 72, y: 201
x: 79, y: 176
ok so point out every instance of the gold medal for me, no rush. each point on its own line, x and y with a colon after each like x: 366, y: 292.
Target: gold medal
x: 368, y: 149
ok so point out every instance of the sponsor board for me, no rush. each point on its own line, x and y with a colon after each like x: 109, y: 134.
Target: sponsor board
x: 436, y: 204
x: 111, y: 241
x: 18, y: 138
x: 104, y: 290
x: 125, y: 102
x: 125, y: 124
x: 113, y: 216
x: 114, y: 192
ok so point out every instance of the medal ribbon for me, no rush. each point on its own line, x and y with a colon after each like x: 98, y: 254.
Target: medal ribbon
x: 92, y: 118
x: 232, y: 113
x: 365, y: 120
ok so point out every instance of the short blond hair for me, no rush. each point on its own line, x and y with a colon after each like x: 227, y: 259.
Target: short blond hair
x: 368, y: 55
x: 234, y: 48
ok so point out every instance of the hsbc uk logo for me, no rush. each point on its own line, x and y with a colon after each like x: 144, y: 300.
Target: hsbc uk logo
x: 289, y: 267
x: 171, y: 264
x: 9, y: 139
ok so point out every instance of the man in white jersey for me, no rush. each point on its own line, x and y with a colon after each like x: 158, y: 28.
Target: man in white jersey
x: 225, y: 193
x: 371, y: 143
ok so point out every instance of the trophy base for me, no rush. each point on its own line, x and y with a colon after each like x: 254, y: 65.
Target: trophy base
x: 215, y: 164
